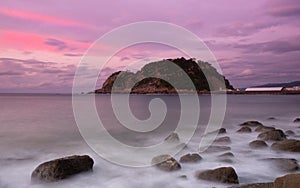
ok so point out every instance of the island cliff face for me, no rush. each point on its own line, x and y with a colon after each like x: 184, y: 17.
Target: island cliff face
x: 141, y: 83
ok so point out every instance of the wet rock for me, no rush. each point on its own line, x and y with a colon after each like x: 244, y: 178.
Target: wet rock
x: 273, y: 135
x: 285, y: 164
x: 263, y: 128
x: 290, y: 145
x: 223, y: 175
x: 256, y: 185
x: 287, y: 181
x: 173, y: 137
x: 222, y: 131
x: 190, y: 158
x: 225, y: 140
x: 297, y: 120
x: 290, y: 132
x: 258, y: 144
x: 251, y: 123
x: 245, y: 130
x: 212, y: 149
x: 165, y: 163
x: 62, y: 168
x: 227, y: 154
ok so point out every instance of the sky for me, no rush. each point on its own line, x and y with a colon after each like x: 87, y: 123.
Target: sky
x: 42, y: 42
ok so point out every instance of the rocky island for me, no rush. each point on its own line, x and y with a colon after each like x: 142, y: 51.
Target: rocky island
x: 147, y: 81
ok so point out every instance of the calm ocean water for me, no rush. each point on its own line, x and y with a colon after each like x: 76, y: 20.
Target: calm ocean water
x: 37, y: 128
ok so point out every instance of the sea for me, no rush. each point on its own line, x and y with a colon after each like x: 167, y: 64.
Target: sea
x: 35, y: 128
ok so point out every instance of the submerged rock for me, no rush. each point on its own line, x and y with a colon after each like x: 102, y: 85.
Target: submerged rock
x: 258, y: 144
x: 224, y: 140
x: 271, y: 118
x: 62, y: 168
x: 273, y: 135
x: 251, y: 123
x: 227, y: 154
x: 223, y: 175
x: 190, y: 158
x: 287, y: 145
x: 165, y: 163
x: 289, y: 132
x: 256, y: 185
x: 212, y: 149
x: 173, y: 137
x: 245, y: 130
x: 285, y: 164
x: 297, y: 120
x: 263, y: 128
x: 288, y: 181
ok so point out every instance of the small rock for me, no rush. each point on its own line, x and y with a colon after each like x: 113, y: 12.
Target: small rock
x: 212, y: 149
x: 263, y: 128
x: 297, y: 120
x: 224, y: 139
x: 183, y: 177
x: 273, y: 135
x: 62, y: 168
x: 256, y: 185
x: 287, y: 181
x: 257, y: 144
x: 287, y: 145
x: 223, y: 175
x: 227, y: 154
x: 166, y: 163
x: 245, y: 130
x: 285, y: 164
x: 222, y: 130
x: 190, y: 158
x: 173, y: 137
x: 226, y: 161
x: 251, y: 123
x: 271, y: 118
x: 290, y: 132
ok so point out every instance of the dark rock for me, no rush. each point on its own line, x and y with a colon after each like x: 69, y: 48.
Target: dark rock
x: 62, y: 168
x: 223, y: 175
x: 173, y: 137
x: 245, y: 130
x: 227, y: 154
x: 256, y: 144
x: 190, y: 158
x: 287, y: 145
x: 256, y: 185
x: 273, y: 135
x: 285, y: 164
x: 183, y: 177
x: 226, y: 161
x: 263, y: 128
x: 222, y: 130
x: 166, y: 163
x: 224, y: 139
x: 297, y: 120
x: 212, y: 149
x: 251, y: 123
x: 287, y: 181
x: 271, y: 118
x: 289, y: 132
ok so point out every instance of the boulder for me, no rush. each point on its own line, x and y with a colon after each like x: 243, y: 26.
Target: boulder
x: 290, y: 132
x: 223, y: 175
x: 190, y: 158
x: 251, y: 123
x: 258, y: 144
x: 263, y: 128
x: 62, y: 168
x: 212, y: 149
x: 272, y: 135
x: 285, y: 164
x: 287, y: 181
x: 297, y: 120
x: 227, y: 154
x: 245, y: 130
x: 165, y: 163
x: 173, y: 137
x: 256, y: 185
x: 287, y: 145
x: 225, y: 140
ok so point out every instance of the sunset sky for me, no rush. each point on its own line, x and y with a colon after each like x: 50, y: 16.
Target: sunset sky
x: 42, y: 42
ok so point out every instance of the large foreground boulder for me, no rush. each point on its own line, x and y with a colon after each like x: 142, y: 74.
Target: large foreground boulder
x: 256, y: 185
x: 166, y: 163
x: 272, y: 135
x: 223, y: 175
x: 62, y: 168
x: 190, y: 158
x: 251, y: 123
x: 288, y: 181
x: 287, y: 145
